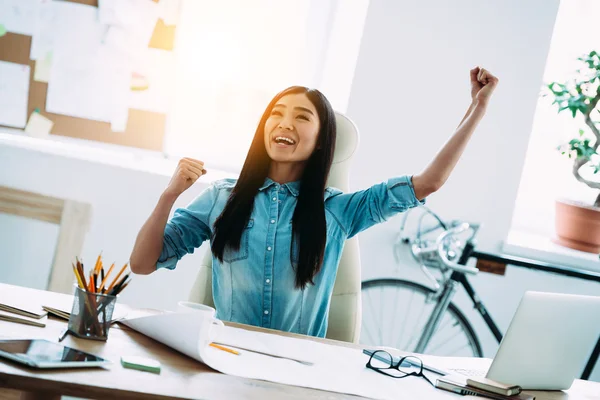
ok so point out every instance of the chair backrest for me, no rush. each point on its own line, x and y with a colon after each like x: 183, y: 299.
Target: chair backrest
x: 345, y: 311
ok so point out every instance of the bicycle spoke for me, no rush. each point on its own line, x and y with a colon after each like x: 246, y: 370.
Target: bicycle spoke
x: 381, y: 320
x: 417, y: 330
x: 366, y: 329
x: 399, y: 310
x: 395, y: 302
x: 443, y: 342
x: 403, y: 326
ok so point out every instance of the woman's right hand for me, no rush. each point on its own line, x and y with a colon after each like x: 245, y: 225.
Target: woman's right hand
x: 188, y: 171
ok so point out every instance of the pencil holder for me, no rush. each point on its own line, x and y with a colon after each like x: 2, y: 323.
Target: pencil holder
x: 91, y: 314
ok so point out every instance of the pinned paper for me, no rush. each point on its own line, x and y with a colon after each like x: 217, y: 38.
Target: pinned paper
x: 42, y: 68
x: 14, y: 92
x: 152, y: 81
x: 38, y: 125
x: 19, y: 16
x: 2, y: 30
x: 118, y: 122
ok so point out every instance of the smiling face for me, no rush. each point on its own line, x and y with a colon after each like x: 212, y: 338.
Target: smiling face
x: 292, y: 129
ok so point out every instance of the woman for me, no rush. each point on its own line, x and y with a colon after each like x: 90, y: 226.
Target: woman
x: 277, y: 232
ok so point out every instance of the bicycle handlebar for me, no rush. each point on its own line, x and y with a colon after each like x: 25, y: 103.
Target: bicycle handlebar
x: 442, y: 253
x: 423, y: 251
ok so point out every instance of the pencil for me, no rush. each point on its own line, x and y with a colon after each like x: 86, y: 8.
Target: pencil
x: 79, y: 282
x: 122, y: 288
x: 81, y: 273
x: 227, y: 349
x: 116, y: 278
x: 117, y: 287
x: 95, y: 270
x: 106, y: 277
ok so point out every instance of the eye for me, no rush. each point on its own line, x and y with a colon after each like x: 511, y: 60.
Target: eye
x: 275, y: 112
x: 304, y: 117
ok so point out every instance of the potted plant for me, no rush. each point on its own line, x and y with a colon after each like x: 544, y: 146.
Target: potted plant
x: 578, y: 224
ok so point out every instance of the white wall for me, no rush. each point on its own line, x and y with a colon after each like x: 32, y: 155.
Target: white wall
x: 409, y: 93
x: 121, y: 199
x: 411, y: 89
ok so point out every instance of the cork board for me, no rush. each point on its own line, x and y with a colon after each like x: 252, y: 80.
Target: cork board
x: 144, y: 129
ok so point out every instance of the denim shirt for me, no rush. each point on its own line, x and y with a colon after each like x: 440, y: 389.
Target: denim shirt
x: 255, y: 285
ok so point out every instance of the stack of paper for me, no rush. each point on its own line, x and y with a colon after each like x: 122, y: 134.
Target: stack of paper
x: 10, y: 317
x: 61, y: 312
x: 22, y: 310
x: 279, y: 359
x: 24, y: 307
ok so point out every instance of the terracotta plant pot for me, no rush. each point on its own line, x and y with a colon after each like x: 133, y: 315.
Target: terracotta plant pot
x: 578, y: 226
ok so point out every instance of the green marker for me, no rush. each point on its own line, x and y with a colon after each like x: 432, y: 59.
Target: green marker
x: 2, y: 30
x: 141, y: 364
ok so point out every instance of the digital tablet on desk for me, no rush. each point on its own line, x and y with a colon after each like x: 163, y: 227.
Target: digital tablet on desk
x: 39, y: 353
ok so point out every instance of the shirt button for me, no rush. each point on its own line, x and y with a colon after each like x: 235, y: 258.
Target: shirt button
x: 269, y: 248
x: 274, y: 198
x: 272, y: 221
x: 266, y: 312
x: 268, y: 280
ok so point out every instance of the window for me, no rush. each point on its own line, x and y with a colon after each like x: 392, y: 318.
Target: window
x: 547, y: 174
x: 233, y: 56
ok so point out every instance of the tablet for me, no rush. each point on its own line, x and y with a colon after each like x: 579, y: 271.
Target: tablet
x: 39, y: 353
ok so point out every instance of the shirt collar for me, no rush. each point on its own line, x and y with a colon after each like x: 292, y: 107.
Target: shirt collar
x: 293, y: 187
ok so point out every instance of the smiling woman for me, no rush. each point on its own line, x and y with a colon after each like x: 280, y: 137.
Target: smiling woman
x: 277, y: 233
x: 291, y: 133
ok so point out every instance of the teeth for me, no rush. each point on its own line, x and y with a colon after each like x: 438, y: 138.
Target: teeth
x: 281, y: 138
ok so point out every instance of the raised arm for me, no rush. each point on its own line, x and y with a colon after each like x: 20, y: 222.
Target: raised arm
x: 437, y: 172
x: 149, y: 242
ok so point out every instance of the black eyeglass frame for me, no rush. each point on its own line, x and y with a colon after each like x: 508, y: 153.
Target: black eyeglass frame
x: 396, y: 366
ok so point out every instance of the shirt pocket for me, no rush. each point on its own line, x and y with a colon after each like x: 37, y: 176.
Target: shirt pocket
x: 231, y: 255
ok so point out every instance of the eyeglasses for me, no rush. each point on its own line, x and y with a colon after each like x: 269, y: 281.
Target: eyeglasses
x: 383, y: 362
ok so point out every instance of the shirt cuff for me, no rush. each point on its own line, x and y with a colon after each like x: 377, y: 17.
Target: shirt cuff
x: 402, y: 193
x: 168, y: 258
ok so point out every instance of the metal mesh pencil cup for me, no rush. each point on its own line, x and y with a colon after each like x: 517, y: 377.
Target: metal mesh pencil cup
x: 91, y: 314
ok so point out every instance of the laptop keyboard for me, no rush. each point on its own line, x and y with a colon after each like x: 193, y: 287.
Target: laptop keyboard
x: 469, y: 372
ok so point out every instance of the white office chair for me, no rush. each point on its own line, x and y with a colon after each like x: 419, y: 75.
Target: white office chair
x: 345, y: 311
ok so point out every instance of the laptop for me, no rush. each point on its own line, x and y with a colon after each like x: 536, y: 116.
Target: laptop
x: 547, y: 344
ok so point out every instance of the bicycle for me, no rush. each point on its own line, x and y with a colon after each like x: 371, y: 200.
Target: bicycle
x: 431, y: 322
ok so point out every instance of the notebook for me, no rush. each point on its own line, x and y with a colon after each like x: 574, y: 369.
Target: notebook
x: 9, y: 317
x: 458, y: 384
x: 61, y: 312
x: 24, y: 307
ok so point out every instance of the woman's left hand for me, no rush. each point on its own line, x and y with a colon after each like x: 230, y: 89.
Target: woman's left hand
x: 483, y: 84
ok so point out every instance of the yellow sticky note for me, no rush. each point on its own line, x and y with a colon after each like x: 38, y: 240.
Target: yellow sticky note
x: 42, y: 68
x: 2, y: 30
x: 38, y: 125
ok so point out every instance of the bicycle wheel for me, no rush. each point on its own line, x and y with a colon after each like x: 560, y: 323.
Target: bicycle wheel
x: 395, y: 312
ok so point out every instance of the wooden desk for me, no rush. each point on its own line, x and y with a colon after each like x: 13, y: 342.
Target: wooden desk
x: 181, y: 377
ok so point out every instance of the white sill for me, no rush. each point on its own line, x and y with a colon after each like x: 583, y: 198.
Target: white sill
x: 538, y: 247
x: 103, y: 153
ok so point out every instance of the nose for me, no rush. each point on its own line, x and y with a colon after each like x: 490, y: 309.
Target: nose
x: 285, y: 124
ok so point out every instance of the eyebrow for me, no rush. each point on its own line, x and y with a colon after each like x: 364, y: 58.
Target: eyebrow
x: 295, y: 108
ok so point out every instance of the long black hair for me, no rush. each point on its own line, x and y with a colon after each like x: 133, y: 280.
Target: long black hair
x: 309, y: 227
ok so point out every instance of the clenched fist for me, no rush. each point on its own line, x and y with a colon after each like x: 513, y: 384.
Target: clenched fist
x: 483, y: 84
x: 188, y: 171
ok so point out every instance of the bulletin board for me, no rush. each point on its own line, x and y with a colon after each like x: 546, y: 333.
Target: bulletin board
x: 144, y: 129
